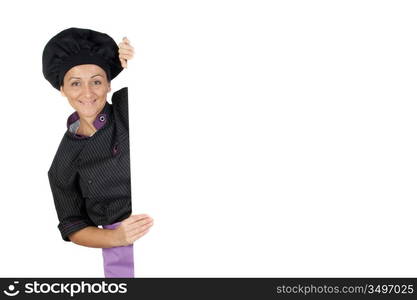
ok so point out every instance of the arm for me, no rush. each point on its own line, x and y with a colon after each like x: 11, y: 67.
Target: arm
x: 75, y: 226
x: 129, y: 230
x: 94, y: 237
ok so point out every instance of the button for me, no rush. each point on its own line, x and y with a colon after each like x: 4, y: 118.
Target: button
x: 90, y: 181
x: 115, y: 148
x: 102, y: 118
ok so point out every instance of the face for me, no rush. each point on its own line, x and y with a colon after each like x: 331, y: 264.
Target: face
x: 86, y: 88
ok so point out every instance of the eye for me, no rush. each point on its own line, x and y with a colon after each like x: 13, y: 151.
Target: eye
x: 97, y: 82
x: 75, y: 83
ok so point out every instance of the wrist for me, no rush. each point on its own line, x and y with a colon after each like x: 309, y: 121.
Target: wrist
x: 113, y: 237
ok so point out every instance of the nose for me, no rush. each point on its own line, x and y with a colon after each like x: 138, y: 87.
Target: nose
x: 87, y: 91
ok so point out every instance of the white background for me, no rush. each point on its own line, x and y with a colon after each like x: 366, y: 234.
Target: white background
x: 268, y: 138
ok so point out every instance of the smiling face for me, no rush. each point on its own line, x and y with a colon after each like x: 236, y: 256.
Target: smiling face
x: 86, y: 88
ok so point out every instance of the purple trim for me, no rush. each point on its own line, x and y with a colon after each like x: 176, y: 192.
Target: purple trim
x: 98, y: 123
x: 100, y: 120
x: 71, y: 224
x: 80, y: 136
x: 72, y: 118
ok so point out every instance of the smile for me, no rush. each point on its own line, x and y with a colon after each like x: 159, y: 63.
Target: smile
x: 87, y: 102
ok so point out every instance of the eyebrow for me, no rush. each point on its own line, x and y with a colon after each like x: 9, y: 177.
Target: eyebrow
x: 80, y: 77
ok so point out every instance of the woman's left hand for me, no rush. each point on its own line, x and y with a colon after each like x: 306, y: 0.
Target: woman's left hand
x: 126, y: 52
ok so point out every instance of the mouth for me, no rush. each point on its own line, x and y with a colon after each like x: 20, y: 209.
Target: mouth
x: 87, y: 102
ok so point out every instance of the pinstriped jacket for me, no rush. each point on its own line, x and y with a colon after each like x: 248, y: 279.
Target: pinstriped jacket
x: 90, y: 177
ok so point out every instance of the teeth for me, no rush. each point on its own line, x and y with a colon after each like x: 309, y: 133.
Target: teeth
x: 87, y: 103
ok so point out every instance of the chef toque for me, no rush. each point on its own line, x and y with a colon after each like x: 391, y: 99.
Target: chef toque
x: 78, y: 46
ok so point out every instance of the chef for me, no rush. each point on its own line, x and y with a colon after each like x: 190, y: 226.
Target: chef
x: 90, y: 173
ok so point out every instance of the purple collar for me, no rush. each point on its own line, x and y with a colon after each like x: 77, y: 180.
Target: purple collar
x: 98, y: 123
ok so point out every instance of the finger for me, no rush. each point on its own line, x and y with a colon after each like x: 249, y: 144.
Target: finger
x: 145, y: 221
x: 138, y: 224
x: 139, y: 230
x: 141, y: 216
x: 125, y: 45
x: 126, y: 51
x: 142, y: 220
x: 134, y: 229
x: 125, y: 41
x: 134, y: 218
x: 138, y: 236
x: 123, y: 54
x: 126, y: 56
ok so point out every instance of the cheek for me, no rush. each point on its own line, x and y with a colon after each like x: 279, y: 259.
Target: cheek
x: 75, y: 103
x: 102, y: 92
x: 73, y: 97
x: 72, y: 92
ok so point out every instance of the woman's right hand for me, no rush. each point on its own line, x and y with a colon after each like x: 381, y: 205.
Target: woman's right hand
x: 132, y: 228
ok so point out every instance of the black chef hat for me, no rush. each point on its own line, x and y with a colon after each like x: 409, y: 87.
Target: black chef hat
x: 78, y: 46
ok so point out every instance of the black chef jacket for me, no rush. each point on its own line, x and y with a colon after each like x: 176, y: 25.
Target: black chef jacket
x: 90, y: 177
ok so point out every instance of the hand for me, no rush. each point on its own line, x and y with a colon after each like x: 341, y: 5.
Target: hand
x: 132, y: 228
x: 126, y: 52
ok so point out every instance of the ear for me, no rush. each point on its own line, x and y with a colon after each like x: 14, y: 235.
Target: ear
x: 109, y: 88
x: 62, y: 91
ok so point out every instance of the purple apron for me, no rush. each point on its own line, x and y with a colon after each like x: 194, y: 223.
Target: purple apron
x: 118, y: 261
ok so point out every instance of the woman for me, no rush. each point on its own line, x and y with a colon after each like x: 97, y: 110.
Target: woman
x: 90, y: 173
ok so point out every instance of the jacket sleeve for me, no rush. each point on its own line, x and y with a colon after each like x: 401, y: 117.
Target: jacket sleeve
x: 70, y: 207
